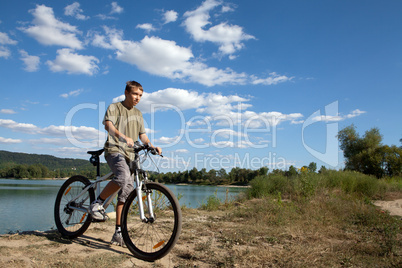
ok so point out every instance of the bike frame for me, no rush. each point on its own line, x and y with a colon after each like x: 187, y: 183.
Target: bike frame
x: 138, y: 183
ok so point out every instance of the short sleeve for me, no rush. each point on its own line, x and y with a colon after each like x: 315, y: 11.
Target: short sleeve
x: 141, y: 127
x: 110, y: 115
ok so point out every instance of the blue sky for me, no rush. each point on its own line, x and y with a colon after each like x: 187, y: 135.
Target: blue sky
x: 227, y: 83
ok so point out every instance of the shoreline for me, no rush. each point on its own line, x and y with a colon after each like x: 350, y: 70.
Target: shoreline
x: 37, y: 179
x: 394, y: 207
x: 179, y: 184
x: 219, y: 185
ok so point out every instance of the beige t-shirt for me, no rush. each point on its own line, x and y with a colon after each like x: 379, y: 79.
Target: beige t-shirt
x: 129, y: 122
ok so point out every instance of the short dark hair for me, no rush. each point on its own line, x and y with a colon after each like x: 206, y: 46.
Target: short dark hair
x: 133, y: 84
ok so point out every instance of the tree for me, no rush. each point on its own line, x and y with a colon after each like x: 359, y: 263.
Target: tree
x: 222, y: 174
x: 367, y: 154
x: 291, y: 172
x: 323, y: 169
x: 263, y: 171
x: 392, y: 162
x: 312, y: 167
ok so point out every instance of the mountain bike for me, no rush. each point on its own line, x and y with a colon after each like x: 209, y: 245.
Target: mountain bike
x: 151, y: 218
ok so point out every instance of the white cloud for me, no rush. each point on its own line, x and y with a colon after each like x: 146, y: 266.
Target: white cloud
x: 156, y: 56
x: 7, y: 111
x: 170, y: 16
x: 179, y: 98
x: 167, y: 140
x: 4, y: 52
x: 148, y: 130
x: 74, y: 10
x: 227, y: 8
x: 218, y: 104
x: 146, y: 26
x: 337, y: 118
x: 19, y: 127
x: 73, y: 63
x: 81, y: 132
x: 31, y: 62
x: 119, y: 98
x: 214, y: 104
x: 73, y: 93
x: 5, y: 40
x: 227, y: 132
x: 48, y: 30
x: 216, y: 109
x: 105, y: 17
x: 183, y: 151
x: 53, y: 141
x: 355, y: 113
x: 273, y: 79
x: 111, y: 40
x: 116, y: 9
x: 9, y: 141
x: 165, y: 58
x: 67, y: 151
x: 228, y: 37
x: 269, y: 119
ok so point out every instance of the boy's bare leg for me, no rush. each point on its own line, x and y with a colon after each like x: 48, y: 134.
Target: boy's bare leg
x: 119, y: 209
x: 109, y: 189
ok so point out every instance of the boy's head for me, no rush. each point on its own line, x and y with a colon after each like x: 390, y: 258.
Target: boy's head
x: 133, y: 84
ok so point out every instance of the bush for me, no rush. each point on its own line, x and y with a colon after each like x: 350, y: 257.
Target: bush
x: 267, y: 185
x: 306, y: 184
x: 213, y: 203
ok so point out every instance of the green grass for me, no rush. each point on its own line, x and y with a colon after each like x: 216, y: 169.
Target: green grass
x: 305, y: 184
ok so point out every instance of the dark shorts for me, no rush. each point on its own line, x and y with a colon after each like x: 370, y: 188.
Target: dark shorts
x: 122, y: 175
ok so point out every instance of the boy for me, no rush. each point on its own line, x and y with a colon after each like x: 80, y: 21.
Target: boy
x: 124, y: 124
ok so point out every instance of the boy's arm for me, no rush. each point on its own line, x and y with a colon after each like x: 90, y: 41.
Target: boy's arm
x: 145, y: 140
x: 115, y: 132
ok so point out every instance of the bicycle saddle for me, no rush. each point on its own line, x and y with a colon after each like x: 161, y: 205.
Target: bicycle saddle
x: 96, y: 153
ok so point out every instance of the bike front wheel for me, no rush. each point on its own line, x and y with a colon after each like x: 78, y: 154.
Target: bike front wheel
x: 72, y: 223
x: 153, y: 239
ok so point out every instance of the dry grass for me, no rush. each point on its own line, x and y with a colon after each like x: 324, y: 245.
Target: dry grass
x: 329, y: 229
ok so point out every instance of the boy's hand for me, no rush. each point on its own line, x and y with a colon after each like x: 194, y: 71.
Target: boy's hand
x: 159, y: 149
x: 130, y: 142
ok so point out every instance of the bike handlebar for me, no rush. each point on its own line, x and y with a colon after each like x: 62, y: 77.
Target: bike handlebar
x: 139, y: 147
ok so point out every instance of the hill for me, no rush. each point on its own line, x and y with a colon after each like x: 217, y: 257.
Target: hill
x: 23, y: 165
x: 49, y: 161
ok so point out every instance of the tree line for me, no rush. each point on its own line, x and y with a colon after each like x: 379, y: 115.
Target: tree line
x: 39, y: 171
x: 236, y: 176
x: 365, y: 154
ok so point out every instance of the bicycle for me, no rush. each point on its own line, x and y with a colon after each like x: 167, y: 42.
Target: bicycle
x: 151, y: 224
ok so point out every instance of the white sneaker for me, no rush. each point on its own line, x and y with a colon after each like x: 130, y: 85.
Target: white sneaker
x: 97, y: 211
x: 118, y: 239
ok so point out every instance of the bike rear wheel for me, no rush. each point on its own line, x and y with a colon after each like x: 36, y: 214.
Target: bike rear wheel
x: 72, y: 223
x: 154, y: 239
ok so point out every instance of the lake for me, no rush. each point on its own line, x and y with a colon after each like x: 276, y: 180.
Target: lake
x: 27, y: 205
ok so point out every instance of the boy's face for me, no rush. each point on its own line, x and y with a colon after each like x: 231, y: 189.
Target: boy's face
x: 133, y: 96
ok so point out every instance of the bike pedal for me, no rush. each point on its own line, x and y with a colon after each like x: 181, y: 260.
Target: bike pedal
x: 105, y: 219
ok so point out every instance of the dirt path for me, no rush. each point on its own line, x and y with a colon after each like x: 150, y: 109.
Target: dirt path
x: 207, y: 239
x: 49, y: 249
x: 394, y: 207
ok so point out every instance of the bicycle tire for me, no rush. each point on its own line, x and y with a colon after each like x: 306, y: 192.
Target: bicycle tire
x: 73, y: 223
x: 152, y: 240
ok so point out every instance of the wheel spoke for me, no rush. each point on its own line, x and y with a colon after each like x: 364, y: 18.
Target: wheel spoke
x: 72, y: 223
x: 152, y: 239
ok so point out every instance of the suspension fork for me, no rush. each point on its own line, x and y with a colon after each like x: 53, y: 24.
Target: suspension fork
x: 139, y: 191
